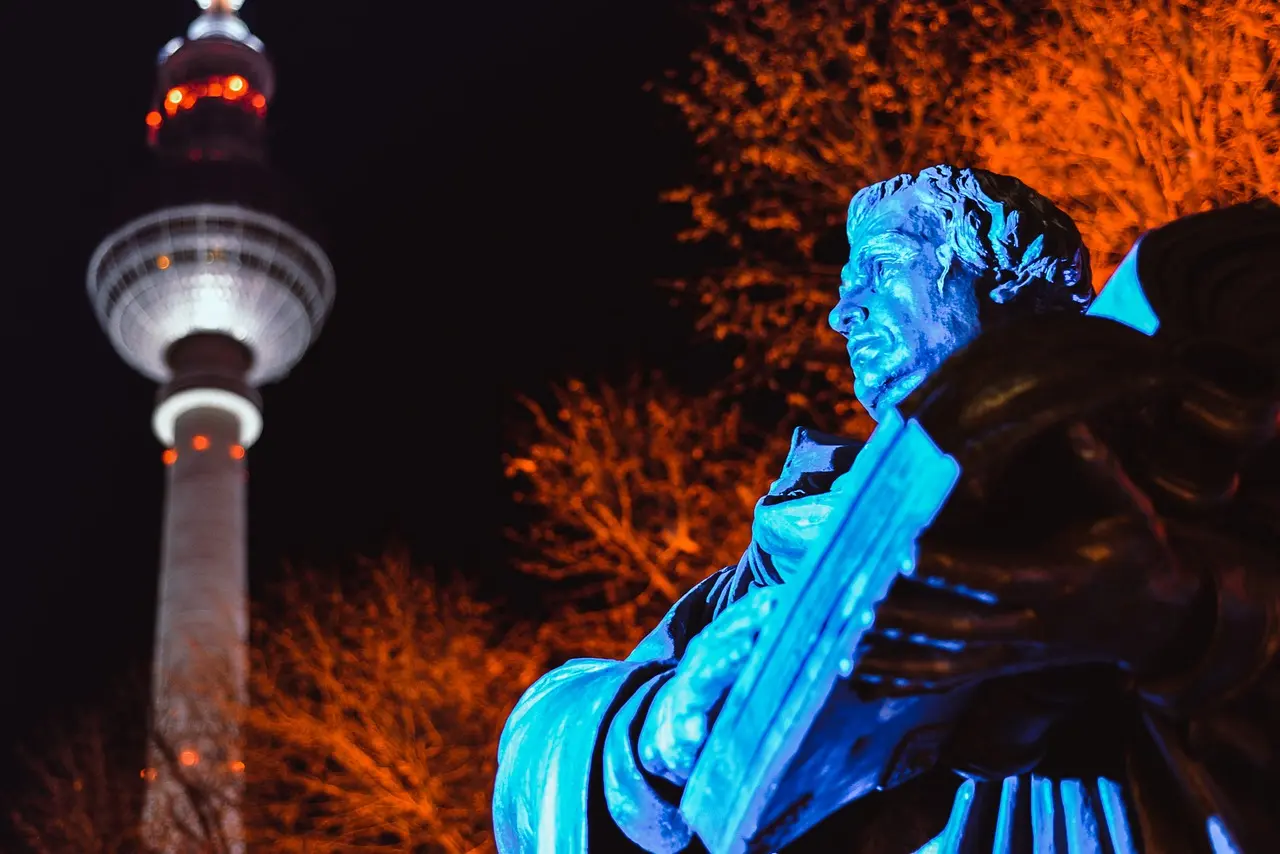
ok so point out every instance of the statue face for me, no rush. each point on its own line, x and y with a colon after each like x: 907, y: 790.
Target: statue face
x: 904, y: 305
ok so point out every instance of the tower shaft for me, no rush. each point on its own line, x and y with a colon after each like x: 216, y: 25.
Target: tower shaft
x: 200, y: 680
x: 201, y: 668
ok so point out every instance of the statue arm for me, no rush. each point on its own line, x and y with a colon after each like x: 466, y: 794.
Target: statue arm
x: 644, y: 805
x: 547, y: 750
x: 562, y: 783
x: 646, y: 808
x: 568, y: 773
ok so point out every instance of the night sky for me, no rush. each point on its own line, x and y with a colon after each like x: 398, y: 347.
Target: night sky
x: 487, y: 177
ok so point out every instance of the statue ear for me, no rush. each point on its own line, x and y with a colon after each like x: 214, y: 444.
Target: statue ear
x: 946, y: 259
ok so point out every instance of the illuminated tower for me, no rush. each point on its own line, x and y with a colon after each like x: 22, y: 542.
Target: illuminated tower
x: 208, y: 289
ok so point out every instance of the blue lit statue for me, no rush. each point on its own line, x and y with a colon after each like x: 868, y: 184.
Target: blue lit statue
x: 1079, y: 655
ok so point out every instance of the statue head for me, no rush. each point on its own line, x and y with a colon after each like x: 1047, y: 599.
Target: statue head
x: 937, y: 257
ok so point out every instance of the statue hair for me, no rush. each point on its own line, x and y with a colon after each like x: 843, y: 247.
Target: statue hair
x: 1023, y: 252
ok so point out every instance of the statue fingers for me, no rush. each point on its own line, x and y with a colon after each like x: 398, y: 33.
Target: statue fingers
x: 920, y: 613
x: 988, y: 579
x: 677, y: 727
x: 711, y: 670
x: 908, y: 667
x: 671, y: 737
x: 716, y: 655
x: 745, y: 616
x: 1110, y: 548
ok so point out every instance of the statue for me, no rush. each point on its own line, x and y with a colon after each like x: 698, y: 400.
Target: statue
x: 1082, y: 570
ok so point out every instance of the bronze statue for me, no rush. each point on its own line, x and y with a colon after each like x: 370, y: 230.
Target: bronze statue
x: 1095, y: 611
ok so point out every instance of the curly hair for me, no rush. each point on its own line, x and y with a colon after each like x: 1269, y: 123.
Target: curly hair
x: 1023, y: 252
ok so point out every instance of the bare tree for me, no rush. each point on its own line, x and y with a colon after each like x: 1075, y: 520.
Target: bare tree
x: 377, y: 705
x: 640, y: 493
x: 1131, y: 113
x: 86, y: 788
x: 80, y: 796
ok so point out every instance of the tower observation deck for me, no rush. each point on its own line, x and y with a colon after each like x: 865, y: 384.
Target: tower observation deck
x: 209, y: 287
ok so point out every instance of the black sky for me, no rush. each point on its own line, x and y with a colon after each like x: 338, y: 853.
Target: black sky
x: 487, y: 175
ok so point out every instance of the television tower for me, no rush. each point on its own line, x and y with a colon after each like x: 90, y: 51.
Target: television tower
x: 209, y: 290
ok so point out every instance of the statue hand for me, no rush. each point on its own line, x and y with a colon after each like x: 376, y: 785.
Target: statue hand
x: 1110, y: 592
x: 683, y: 709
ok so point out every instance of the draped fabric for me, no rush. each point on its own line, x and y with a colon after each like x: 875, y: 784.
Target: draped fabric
x: 1217, y: 796
x: 548, y: 750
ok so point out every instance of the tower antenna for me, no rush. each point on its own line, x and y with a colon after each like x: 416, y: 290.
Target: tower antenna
x: 226, y: 7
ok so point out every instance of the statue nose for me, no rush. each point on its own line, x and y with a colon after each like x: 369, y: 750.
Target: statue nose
x: 846, y: 316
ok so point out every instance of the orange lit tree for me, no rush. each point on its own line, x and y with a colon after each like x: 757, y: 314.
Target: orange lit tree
x: 1130, y: 113
x: 639, y: 493
x: 82, y: 795
x: 85, y: 789
x: 377, y: 706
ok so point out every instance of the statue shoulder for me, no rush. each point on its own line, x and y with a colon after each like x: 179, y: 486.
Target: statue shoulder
x: 786, y: 517
x: 814, y: 460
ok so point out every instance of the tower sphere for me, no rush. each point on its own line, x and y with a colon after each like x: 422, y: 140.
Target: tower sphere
x: 211, y: 267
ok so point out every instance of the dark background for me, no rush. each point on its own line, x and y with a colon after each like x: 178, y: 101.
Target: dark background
x: 487, y: 175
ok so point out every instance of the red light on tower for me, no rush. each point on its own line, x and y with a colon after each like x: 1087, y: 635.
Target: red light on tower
x: 259, y: 101
x: 200, y: 443
x: 154, y: 119
x: 170, y: 457
x: 215, y: 89
x: 237, y: 452
x: 189, y: 757
x: 236, y: 86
